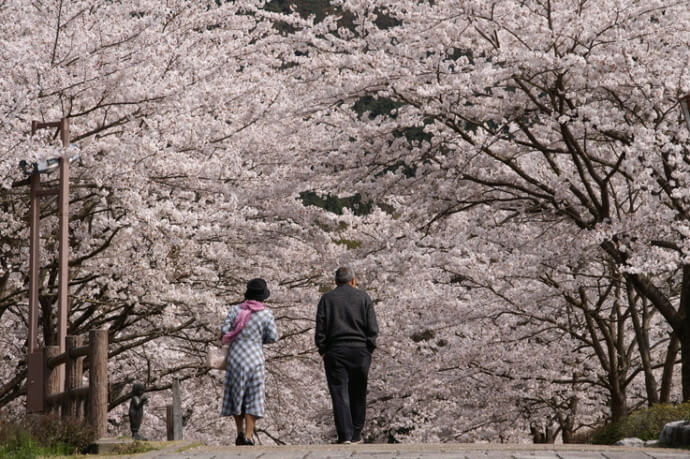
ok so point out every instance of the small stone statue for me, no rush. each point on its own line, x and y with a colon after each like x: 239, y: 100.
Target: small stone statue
x: 136, y: 409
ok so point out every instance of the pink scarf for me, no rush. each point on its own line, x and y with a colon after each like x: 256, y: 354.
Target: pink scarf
x: 242, y: 318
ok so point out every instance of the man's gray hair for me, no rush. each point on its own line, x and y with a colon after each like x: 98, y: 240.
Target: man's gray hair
x: 343, y: 275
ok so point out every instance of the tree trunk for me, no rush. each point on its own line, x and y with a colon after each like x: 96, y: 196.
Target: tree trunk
x: 669, y: 365
x: 48, y: 322
x: 683, y: 331
x: 641, y: 326
x: 679, y: 320
x: 542, y: 434
x: 568, y: 424
x: 685, y: 365
x: 618, y: 404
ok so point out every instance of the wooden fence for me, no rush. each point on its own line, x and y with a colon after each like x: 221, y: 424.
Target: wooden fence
x: 90, y: 402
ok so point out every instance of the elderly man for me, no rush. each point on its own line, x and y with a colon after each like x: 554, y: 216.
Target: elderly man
x: 346, y: 332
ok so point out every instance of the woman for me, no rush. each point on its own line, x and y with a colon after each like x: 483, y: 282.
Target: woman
x: 247, y: 327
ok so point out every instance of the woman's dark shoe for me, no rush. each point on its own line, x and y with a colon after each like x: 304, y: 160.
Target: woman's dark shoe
x: 240, y: 439
x: 248, y: 442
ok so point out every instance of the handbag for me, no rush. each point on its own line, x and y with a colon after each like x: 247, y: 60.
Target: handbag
x: 217, y: 357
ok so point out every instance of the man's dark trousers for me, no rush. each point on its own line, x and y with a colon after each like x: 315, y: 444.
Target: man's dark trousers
x: 347, y: 373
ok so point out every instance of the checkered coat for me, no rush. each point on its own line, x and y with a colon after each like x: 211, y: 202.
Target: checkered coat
x: 244, y: 375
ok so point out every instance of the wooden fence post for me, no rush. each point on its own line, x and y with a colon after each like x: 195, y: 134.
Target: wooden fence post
x: 174, y: 413
x: 35, y: 382
x: 52, y: 381
x: 97, y: 404
x: 73, y: 376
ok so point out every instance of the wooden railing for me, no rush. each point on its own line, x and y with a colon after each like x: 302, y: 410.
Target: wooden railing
x: 90, y: 402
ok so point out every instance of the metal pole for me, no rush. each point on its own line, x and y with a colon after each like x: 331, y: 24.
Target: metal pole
x: 35, y: 395
x: 34, y: 254
x: 34, y: 260
x: 63, y: 255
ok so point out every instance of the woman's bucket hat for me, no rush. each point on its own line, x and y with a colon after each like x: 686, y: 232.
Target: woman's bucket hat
x: 257, y: 290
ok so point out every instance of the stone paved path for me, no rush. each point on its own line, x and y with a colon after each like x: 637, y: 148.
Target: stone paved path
x: 185, y: 450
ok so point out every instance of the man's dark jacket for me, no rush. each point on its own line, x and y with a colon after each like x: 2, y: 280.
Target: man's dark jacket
x: 345, y: 317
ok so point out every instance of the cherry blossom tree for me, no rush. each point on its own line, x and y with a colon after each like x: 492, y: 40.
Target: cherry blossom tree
x: 559, y: 112
x: 562, y: 115
x: 519, y: 167
x: 180, y: 197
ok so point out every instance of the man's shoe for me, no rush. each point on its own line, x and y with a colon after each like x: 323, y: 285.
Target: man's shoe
x: 240, y: 439
x: 357, y: 441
